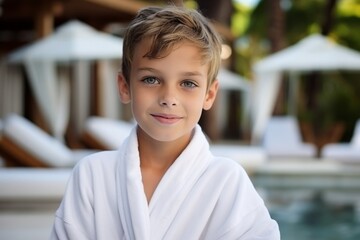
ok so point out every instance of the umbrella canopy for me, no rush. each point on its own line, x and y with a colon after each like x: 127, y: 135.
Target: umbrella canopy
x: 72, y: 41
x: 232, y: 81
x: 313, y: 53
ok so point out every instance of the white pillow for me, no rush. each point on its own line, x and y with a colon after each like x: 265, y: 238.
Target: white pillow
x: 110, y: 132
x: 37, y: 142
x: 355, y: 141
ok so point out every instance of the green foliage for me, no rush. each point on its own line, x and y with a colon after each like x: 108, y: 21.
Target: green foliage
x: 339, y: 98
x: 191, y: 4
x: 240, y: 19
x: 349, y: 8
x: 257, y: 24
x: 345, y: 33
x: 305, y: 17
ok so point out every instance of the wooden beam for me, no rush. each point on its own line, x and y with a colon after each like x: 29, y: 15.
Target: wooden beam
x: 127, y: 6
x: 44, y: 20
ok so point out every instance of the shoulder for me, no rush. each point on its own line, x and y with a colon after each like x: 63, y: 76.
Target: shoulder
x: 229, y: 176
x: 92, y: 171
x: 227, y: 166
x: 98, y: 158
x: 234, y: 180
x: 96, y: 163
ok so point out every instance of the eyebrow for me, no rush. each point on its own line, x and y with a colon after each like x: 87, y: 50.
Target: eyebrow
x: 147, y: 69
x: 186, y: 74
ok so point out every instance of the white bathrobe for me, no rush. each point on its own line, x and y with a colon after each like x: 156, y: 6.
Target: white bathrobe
x: 199, y: 197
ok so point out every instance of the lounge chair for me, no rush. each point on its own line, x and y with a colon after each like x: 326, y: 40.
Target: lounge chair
x: 282, y: 139
x: 105, y: 133
x: 344, y: 152
x: 250, y: 157
x: 25, y: 144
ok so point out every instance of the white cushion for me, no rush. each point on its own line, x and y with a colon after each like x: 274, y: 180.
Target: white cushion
x: 355, y: 140
x: 344, y: 152
x: 291, y: 150
x: 38, y: 143
x: 109, y: 132
x: 341, y: 152
x: 282, y: 138
x: 250, y: 157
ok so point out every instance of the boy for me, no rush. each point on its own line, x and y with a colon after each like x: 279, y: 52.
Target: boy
x: 163, y: 182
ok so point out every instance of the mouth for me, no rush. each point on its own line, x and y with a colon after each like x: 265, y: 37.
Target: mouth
x: 166, y: 118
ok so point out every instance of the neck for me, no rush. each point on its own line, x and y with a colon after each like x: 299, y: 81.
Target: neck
x: 157, y: 154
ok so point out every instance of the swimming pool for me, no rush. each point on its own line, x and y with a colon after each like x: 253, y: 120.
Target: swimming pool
x: 314, y: 216
x: 322, y: 204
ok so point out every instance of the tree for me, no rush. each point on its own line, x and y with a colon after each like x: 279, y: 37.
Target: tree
x: 219, y: 12
x: 314, y: 82
x: 276, y: 25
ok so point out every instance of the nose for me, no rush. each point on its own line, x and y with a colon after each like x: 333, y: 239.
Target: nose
x: 168, y: 97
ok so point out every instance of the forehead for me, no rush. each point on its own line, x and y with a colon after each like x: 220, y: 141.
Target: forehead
x: 182, y: 51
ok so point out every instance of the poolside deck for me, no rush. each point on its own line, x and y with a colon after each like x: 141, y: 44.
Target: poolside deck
x: 308, y: 173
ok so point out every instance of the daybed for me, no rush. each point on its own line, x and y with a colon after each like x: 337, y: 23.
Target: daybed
x: 23, y: 143
x: 344, y: 152
x: 282, y: 139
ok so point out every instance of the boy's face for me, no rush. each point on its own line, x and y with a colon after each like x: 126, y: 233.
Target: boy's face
x: 168, y: 94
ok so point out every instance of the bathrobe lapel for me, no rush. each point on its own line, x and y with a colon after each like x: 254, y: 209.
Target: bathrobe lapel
x: 176, y: 184
x: 140, y: 220
x: 132, y: 204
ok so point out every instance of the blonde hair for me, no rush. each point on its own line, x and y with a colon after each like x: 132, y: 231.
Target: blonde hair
x: 166, y: 27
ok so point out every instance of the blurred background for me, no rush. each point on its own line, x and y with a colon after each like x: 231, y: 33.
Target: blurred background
x: 282, y: 59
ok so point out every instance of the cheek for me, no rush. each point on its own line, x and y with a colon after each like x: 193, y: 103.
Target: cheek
x: 141, y: 100
x: 137, y: 101
x: 139, y: 96
x: 195, y: 105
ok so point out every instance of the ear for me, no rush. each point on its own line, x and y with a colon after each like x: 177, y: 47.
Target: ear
x: 124, y: 90
x: 211, y: 95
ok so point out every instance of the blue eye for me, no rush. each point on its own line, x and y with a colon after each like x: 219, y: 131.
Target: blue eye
x: 188, y: 84
x: 151, y: 80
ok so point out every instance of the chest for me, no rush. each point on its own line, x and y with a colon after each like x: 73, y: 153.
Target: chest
x: 151, y: 179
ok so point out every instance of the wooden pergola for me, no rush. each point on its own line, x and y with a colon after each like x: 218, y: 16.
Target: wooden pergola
x: 23, y: 21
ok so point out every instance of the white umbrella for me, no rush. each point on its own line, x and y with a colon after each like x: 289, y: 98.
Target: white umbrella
x: 229, y: 80
x: 314, y: 53
x: 72, y: 41
x: 232, y: 81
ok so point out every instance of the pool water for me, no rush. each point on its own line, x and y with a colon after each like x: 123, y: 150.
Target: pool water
x: 315, y: 217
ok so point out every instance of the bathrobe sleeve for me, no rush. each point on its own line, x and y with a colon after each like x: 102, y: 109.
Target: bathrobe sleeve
x: 74, y: 217
x: 251, y: 219
x: 240, y: 213
x: 89, y: 207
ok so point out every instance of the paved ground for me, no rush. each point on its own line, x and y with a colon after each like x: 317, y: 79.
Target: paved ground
x: 308, y: 173
x: 29, y: 225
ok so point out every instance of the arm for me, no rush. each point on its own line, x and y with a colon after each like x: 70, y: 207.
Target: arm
x: 241, y: 213
x: 75, y: 217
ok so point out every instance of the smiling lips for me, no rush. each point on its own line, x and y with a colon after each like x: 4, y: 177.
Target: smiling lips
x: 166, y: 118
